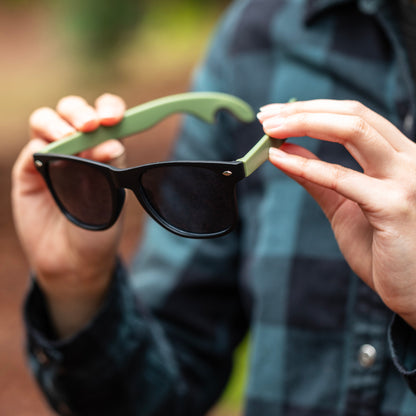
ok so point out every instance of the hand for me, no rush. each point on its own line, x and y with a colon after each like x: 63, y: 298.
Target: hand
x: 373, y: 214
x: 73, y: 266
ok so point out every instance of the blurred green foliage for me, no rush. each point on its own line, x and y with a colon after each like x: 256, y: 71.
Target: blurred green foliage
x: 97, y: 28
x: 232, y: 398
x: 15, y: 3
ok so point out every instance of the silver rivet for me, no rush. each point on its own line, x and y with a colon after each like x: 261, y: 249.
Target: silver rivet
x: 38, y: 163
x: 227, y: 173
x: 367, y: 355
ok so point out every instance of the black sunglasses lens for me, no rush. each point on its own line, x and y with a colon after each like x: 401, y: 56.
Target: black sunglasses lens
x: 83, y: 192
x: 193, y: 199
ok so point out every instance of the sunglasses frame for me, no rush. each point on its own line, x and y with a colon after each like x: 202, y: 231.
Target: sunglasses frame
x: 203, y: 105
x: 130, y: 178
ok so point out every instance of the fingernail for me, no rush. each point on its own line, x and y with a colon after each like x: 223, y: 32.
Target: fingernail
x: 86, y: 124
x: 105, y: 111
x: 115, y: 149
x: 64, y: 131
x: 107, y: 118
x: 277, y: 153
x: 269, y: 112
x: 262, y: 115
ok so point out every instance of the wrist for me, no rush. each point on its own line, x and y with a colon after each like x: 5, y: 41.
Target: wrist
x: 74, y: 299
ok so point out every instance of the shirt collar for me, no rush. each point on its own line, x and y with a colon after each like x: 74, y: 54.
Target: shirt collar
x: 316, y: 7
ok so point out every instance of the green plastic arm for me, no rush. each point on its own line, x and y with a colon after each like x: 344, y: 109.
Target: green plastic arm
x: 259, y: 153
x: 203, y: 105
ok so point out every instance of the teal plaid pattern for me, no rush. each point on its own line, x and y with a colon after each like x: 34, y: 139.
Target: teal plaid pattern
x: 163, y: 342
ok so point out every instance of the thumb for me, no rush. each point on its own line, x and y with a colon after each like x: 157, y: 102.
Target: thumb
x: 24, y: 162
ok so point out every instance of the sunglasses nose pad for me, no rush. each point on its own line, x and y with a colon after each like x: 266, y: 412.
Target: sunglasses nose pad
x: 147, y: 198
x: 107, y: 214
x: 120, y: 199
x: 117, y: 207
x: 138, y: 193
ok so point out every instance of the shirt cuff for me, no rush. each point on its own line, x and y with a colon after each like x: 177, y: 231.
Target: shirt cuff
x: 81, y: 348
x: 402, y: 342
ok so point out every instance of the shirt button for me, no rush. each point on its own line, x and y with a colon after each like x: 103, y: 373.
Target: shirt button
x: 41, y: 357
x: 367, y: 355
x: 64, y: 410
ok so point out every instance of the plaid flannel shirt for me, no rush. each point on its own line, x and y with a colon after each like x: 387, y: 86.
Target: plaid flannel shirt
x: 163, y: 342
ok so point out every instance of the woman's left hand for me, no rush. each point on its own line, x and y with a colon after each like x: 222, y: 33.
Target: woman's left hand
x: 373, y: 213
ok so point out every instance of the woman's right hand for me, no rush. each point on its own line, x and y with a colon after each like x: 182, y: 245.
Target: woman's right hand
x: 73, y: 266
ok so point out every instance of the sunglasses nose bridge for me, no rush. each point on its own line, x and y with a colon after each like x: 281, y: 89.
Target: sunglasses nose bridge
x: 128, y: 179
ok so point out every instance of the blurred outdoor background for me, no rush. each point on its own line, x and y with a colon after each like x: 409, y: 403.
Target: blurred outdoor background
x: 139, y: 49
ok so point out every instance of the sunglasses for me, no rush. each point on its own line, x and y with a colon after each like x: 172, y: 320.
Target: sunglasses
x: 195, y: 199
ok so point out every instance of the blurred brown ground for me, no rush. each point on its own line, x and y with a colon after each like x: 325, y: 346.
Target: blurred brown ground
x: 35, y: 72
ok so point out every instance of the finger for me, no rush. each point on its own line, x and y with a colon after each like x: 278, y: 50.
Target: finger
x: 364, y: 143
x: 349, y: 222
x: 346, y: 107
x: 45, y: 123
x: 110, y: 109
x: 111, y: 151
x: 25, y: 159
x: 77, y: 112
x: 24, y: 168
x: 307, y: 169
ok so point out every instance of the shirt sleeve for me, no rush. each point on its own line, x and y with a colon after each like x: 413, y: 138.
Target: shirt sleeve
x: 91, y: 372
x: 161, y: 344
x: 164, y: 339
x: 402, y: 342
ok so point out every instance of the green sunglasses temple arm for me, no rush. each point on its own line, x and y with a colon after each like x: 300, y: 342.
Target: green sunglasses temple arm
x: 259, y: 154
x: 203, y: 105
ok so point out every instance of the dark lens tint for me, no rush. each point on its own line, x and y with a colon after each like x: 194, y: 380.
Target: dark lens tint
x: 191, y: 198
x: 83, y: 191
